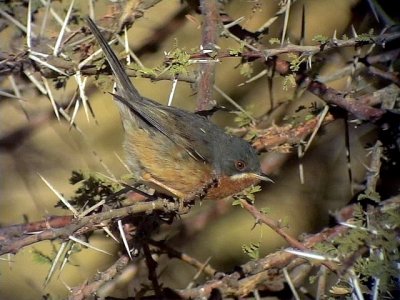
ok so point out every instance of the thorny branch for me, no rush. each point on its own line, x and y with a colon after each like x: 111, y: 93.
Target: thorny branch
x: 10, y: 244
x: 264, y: 273
x: 82, y: 292
x: 209, y: 10
x: 260, y: 217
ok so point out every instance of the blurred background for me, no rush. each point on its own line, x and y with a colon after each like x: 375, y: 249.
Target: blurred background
x: 53, y: 149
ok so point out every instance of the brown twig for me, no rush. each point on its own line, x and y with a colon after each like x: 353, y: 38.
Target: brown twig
x: 331, y: 96
x: 51, y: 222
x: 89, y: 289
x: 288, y: 134
x: 390, y: 76
x: 386, y: 96
x: 209, y: 10
x: 173, y: 253
x: 85, y: 224
x: 276, y: 226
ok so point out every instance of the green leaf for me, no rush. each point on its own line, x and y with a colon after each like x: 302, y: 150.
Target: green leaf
x: 40, y: 257
x: 252, y: 250
x: 289, y: 81
x: 242, y: 119
x: 246, y: 69
x: 265, y: 210
x: 321, y: 39
x: 273, y: 41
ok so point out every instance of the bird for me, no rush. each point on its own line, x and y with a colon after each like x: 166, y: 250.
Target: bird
x: 174, y: 151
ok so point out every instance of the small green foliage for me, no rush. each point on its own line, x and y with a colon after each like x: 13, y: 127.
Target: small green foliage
x: 265, y: 210
x: 326, y: 248
x: 321, y: 39
x: 235, y: 52
x: 178, y: 61
x: 308, y: 117
x: 273, y: 41
x: 365, y: 37
x: 246, y: 69
x: 250, y: 135
x: 91, y: 190
x: 295, y: 61
x: 149, y: 71
x: 284, y: 223
x: 289, y: 82
x: 312, y: 279
x: 242, y: 119
x: 252, y: 250
x: 345, y: 37
x: 128, y: 177
x: 41, y: 258
x: 251, y: 191
x: 352, y: 242
x: 76, y: 177
x: 308, y: 112
x: 247, y: 194
x: 377, y: 236
x: 368, y: 194
x: 392, y: 219
x: 237, y: 202
x: 358, y: 216
x: 238, y: 51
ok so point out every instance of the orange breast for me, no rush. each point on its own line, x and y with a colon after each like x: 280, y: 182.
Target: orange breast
x: 165, y: 161
x: 228, y: 187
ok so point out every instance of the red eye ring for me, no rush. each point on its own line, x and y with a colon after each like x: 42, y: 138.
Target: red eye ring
x: 240, y: 165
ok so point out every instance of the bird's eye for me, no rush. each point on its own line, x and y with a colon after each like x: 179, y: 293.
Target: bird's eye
x: 240, y: 165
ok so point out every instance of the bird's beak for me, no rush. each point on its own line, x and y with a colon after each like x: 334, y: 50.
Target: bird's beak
x: 261, y: 177
x: 251, y: 176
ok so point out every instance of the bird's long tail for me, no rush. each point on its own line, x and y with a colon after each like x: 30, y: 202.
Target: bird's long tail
x: 125, y: 86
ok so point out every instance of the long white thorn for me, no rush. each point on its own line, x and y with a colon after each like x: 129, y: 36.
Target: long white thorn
x: 82, y: 94
x: 50, y: 94
x: 59, y: 196
x: 29, y: 25
x: 122, y: 234
x: 55, y: 262
x: 38, y: 84
x: 72, y: 238
x: 171, y: 95
x: 63, y: 28
x: 46, y: 64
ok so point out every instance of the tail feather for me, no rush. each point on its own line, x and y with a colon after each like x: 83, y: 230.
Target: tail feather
x: 129, y: 99
x: 126, y: 88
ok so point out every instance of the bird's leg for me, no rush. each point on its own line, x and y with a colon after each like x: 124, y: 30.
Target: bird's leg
x: 148, y: 178
x: 181, y: 197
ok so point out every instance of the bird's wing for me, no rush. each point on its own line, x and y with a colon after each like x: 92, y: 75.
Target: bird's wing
x: 151, y: 113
